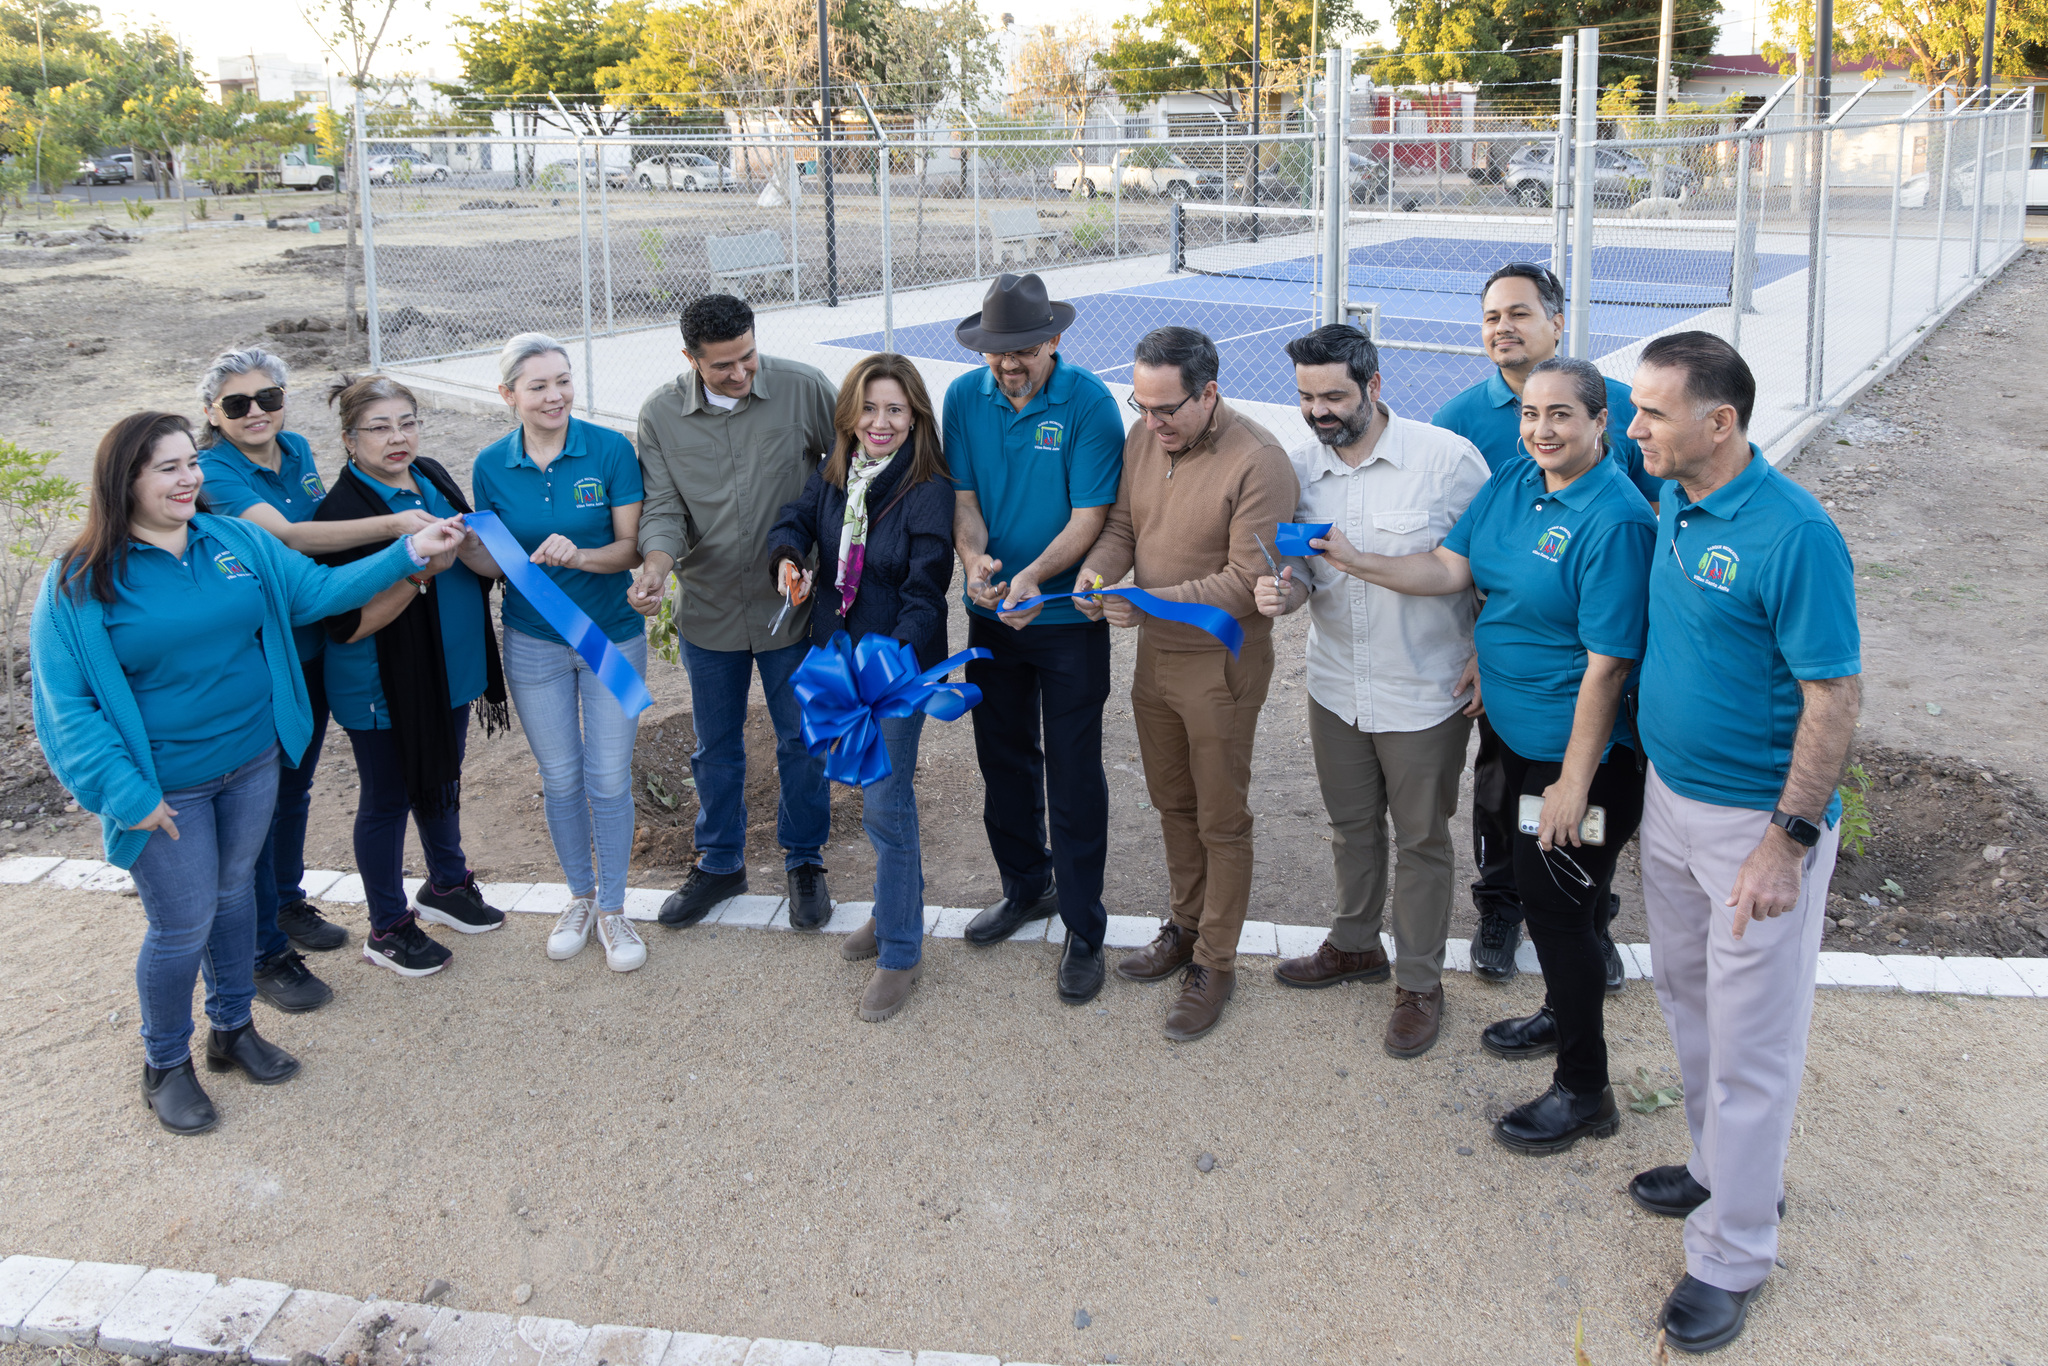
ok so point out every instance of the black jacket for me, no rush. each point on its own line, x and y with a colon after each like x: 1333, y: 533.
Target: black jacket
x: 908, y: 566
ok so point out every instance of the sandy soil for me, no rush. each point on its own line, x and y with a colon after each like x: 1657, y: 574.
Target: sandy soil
x: 717, y: 1143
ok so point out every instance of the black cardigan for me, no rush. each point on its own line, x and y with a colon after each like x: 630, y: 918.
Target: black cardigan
x: 908, y: 566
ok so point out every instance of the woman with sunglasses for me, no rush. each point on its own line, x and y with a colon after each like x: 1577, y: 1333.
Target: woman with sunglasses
x: 1560, y: 544
x: 167, y: 692
x: 262, y: 473
x: 402, y: 675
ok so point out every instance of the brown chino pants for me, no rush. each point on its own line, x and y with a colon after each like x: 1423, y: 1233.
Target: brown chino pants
x: 1197, y: 712
x: 1410, y: 776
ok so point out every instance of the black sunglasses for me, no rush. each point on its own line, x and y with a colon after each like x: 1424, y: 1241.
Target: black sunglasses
x: 236, y: 406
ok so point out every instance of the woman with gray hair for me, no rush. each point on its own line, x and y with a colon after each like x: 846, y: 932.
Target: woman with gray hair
x: 569, y: 492
x: 257, y: 470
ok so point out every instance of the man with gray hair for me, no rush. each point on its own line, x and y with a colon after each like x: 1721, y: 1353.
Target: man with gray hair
x: 1202, y: 488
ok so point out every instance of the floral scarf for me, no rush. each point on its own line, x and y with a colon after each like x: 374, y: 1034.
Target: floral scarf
x: 853, y: 533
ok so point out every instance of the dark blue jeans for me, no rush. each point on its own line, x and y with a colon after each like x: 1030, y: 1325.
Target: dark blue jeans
x: 281, y: 866
x: 195, y: 891
x: 719, y: 680
x: 889, y: 815
x: 381, y: 809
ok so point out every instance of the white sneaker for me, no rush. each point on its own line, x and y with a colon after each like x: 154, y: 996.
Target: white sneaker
x: 572, y: 930
x: 624, y: 950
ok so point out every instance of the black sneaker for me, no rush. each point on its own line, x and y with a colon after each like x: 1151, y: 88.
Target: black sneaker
x: 1493, y: 952
x: 1609, y: 954
x: 406, y: 950
x: 307, y: 930
x: 810, y: 905
x: 460, y: 908
x: 700, y: 892
x: 284, y: 983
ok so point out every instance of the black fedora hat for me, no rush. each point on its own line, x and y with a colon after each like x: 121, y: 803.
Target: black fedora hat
x: 1014, y: 314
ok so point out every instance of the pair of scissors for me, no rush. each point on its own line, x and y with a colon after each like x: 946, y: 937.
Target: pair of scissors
x: 1269, y: 556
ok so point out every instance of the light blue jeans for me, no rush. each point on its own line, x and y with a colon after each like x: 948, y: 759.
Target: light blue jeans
x: 583, y: 741
x: 889, y: 815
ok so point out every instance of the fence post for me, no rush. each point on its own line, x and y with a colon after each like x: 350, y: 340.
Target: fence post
x: 1891, y: 274
x: 1583, y: 161
x: 583, y: 239
x: 793, y: 181
x: 1116, y: 211
x: 369, y: 237
x: 1745, y: 242
x: 882, y: 179
x: 1336, y: 201
x: 1940, y: 189
x: 825, y: 157
x: 604, y: 236
x: 975, y: 128
x: 1977, y: 204
x: 1561, y: 161
x: 1176, y: 239
x: 1817, y: 281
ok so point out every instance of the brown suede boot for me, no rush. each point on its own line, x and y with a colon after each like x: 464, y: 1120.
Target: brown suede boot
x: 1173, y: 950
x: 1411, y: 1029
x: 860, y: 944
x: 1202, y: 994
x: 1329, y: 965
x: 887, y: 990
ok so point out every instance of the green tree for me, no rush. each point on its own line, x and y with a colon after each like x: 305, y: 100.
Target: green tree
x: 1935, y: 40
x: 1205, y: 47
x: 551, y: 54
x: 1510, y: 45
x: 36, y: 508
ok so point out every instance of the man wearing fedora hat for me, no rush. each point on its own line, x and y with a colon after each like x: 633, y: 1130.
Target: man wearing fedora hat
x: 1036, y: 449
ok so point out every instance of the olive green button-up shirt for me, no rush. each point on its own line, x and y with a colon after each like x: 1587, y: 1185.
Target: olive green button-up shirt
x: 715, y: 482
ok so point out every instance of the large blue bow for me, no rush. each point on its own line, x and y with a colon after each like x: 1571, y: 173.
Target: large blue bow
x: 845, y: 690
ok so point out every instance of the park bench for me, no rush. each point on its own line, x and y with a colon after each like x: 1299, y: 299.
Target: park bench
x: 1018, y: 232
x: 736, y: 260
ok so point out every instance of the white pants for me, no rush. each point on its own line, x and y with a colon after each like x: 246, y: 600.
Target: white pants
x: 1738, y: 1011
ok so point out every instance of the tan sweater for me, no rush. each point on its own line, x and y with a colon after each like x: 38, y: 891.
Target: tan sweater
x: 1187, y: 522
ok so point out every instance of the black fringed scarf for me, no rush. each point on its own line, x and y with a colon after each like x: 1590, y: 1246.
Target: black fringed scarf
x: 410, y: 663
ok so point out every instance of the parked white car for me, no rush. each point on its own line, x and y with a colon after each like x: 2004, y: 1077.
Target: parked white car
x: 296, y: 173
x: 1143, y: 170
x: 682, y: 171
x: 390, y: 170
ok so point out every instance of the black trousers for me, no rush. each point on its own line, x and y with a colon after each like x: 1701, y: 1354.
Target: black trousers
x: 1493, y: 831
x: 1049, y: 682
x: 1564, y: 899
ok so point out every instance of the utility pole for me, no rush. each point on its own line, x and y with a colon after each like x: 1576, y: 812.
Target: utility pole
x: 1990, y: 41
x: 1255, y: 120
x: 825, y: 157
x: 45, y: 63
x: 1663, y: 90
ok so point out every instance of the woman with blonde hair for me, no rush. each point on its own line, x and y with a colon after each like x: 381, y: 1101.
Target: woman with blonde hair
x: 877, y: 520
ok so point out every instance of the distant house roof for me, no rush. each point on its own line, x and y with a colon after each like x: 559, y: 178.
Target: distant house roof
x: 1721, y: 64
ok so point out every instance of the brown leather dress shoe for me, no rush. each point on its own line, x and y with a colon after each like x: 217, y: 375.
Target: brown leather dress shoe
x: 1329, y: 965
x: 1202, y: 994
x: 1411, y: 1029
x: 1173, y: 950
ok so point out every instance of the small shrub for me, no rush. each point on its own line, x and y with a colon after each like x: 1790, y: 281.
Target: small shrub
x: 1856, y: 826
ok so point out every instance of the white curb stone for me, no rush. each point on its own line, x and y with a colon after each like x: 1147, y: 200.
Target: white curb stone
x: 383, y: 1332
x: 26, y: 869
x: 1641, y: 953
x: 745, y: 912
x: 1296, y: 941
x: 644, y: 903
x: 544, y: 898
x: 848, y: 916
x: 1256, y: 938
x: 1130, y: 932
x: 308, y: 1321
x: 70, y: 1313
x: 230, y: 1317
x: 956, y: 1359
x: 622, y: 1346
x: 536, y: 1341
x: 72, y: 873
x: 2032, y: 971
x: 141, y: 1325
x: 1914, y: 974
x: 316, y: 881
x: 504, y: 895
x: 464, y: 1337
x: 871, y: 1356
x: 1525, y: 956
x: 109, y: 879
x: 706, y: 1349
x: 953, y: 922
x: 1458, y: 956
x: 23, y: 1282
x: 1979, y: 977
x: 1856, y: 972
x: 1055, y: 931
x: 1631, y: 970
x: 346, y: 891
x: 778, y: 1352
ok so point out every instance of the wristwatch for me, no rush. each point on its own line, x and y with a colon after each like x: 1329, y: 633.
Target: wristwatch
x: 1798, y: 827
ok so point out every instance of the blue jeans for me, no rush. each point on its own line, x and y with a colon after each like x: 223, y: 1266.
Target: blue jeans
x: 718, y: 703
x: 196, y: 893
x: 889, y: 815
x: 381, y: 809
x: 281, y: 865
x: 586, y: 759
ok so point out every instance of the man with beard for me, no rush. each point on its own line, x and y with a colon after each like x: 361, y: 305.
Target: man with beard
x: 1386, y: 673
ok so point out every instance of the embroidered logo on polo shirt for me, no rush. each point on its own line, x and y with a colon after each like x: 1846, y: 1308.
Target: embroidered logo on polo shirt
x: 1717, y: 568
x: 312, y: 485
x: 233, y: 568
x: 1551, y: 547
x: 1049, y: 435
x: 590, y: 493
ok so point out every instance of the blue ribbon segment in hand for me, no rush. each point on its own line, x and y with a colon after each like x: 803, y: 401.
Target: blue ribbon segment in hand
x: 585, y: 637
x: 1292, y: 538
x: 845, y: 690
x: 1214, y: 620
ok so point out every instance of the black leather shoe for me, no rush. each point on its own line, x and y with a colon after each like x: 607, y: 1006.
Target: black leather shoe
x: 810, y: 905
x: 700, y: 892
x: 1557, y: 1119
x: 1528, y: 1036
x: 285, y: 983
x: 1007, y: 916
x: 1081, y: 970
x: 308, y: 930
x: 1698, y: 1317
x: 1610, y: 956
x: 1671, y: 1192
x: 174, y: 1094
x: 265, y: 1063
x: 1493, y: 951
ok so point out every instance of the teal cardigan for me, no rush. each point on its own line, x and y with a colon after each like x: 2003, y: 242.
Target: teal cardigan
x: 86, y: 717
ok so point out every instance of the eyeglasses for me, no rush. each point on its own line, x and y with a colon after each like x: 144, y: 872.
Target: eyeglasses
x: 1553, y: 859
x: 997, y: 357
x: 1161, y: 413
x: 236, y: 406
x: 404, y: 431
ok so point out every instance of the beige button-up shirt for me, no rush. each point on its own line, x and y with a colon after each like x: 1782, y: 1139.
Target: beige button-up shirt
x: 1381, y: 660
x: 715, y: 481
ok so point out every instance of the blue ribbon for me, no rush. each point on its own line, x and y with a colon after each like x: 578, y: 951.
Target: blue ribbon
x: 1214, y: 620
x: 1292, y: 538
x: 585, y: 637
x: 845, y: 691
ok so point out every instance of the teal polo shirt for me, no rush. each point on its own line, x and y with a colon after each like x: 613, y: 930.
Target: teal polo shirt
x: 1489, y: 415
x: 235, y: 483
x: 574, y: 497
x: 1031, y: 469
x: 1751, y: 590
x: 355, y: 692
x: 188, y: 632
x: 1565, y: 573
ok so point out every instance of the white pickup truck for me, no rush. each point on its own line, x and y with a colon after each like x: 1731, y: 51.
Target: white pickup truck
x: 294, y: 172
x: 1141, y: 170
